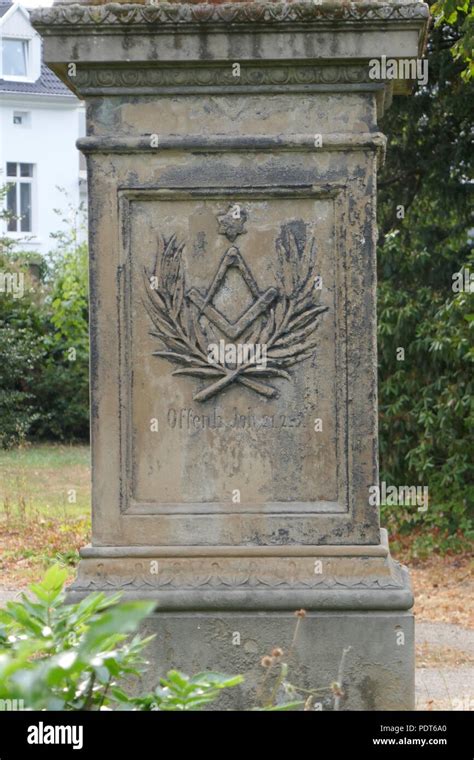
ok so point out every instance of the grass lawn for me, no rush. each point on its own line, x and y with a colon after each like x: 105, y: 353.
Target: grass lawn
x: 44, y: 509
x: 52, y: 479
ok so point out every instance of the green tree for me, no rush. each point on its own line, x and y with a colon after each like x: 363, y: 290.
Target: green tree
x: 425, y: 218
x: 459, y: 14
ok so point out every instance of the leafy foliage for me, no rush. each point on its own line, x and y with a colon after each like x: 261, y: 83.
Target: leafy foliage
x: 63, y: 387
x: 425, y: 401
x: 66, y: 657
x: 180, y: 692
x: 21, y: 349
x: 57, y: 656
x: 44, y: 346
x: 459, y: 14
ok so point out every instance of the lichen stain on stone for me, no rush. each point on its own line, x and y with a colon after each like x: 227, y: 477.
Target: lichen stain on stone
x: 368, y: 692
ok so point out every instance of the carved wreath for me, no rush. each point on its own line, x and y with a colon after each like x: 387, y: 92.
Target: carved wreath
x: 287, y: 329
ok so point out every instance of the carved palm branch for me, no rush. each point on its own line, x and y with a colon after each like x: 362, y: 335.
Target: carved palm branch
x: 177, y: 327
x: 289, y: 338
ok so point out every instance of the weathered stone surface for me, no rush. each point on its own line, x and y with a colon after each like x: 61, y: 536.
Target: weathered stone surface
x: 232, y: 154
x: 378, y: 671
x: 235, y: 578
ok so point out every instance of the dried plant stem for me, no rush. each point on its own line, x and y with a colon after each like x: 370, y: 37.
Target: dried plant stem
x: 340, y: 677
x: 295, y: 636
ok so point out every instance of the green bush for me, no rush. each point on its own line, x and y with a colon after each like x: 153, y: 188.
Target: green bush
x: 57, y: 656
x: 180, y: 692
x: 44, y: 348
x: 19, y: 356
x: 66, y: 657
x: 426, y: 400
x: 22, y: 352
x: 62, y: 390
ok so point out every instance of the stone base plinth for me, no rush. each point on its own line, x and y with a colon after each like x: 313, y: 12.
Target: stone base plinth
x: 378, y: 671
x: 224, y: 608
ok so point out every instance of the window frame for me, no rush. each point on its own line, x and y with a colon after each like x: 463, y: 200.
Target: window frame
x: 28, y: 58
x: 17, y: 181
x: 25, y: 122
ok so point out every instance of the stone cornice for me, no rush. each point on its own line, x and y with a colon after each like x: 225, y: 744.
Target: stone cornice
x: 224, y: 143
x: 185, y: 48
x: 237, y: 14
x: 369, y: 141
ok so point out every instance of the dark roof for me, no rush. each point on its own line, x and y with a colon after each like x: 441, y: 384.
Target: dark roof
x: 4, y: 7
x: 47, y: 84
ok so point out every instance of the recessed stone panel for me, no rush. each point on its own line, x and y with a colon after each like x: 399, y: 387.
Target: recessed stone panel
x: 201, y: 286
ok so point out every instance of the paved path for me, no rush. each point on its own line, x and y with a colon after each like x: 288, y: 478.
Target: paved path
x: 437, y: 688
x: 445, y: 688
x: 443, y: 634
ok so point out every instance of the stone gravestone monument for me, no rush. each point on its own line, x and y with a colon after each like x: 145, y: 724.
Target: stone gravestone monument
x: 232, y: 157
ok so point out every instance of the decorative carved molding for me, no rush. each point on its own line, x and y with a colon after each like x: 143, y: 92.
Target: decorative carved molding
x: 178, y: 576
x: 116, y: 77
x: 265, y: 13
x: 213, y: 582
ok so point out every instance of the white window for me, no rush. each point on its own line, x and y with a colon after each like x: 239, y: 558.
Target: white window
x: 19, y: 197
x: 22, y: 118
x: 15, y: 57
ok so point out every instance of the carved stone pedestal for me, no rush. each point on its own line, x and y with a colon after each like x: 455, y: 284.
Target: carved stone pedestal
x: 232, y: 156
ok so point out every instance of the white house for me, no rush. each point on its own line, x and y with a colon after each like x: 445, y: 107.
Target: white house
x: 40, y: 121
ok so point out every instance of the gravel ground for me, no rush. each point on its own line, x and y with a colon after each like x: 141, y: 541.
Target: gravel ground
x: 445, y: 688
x: 443, y: 634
